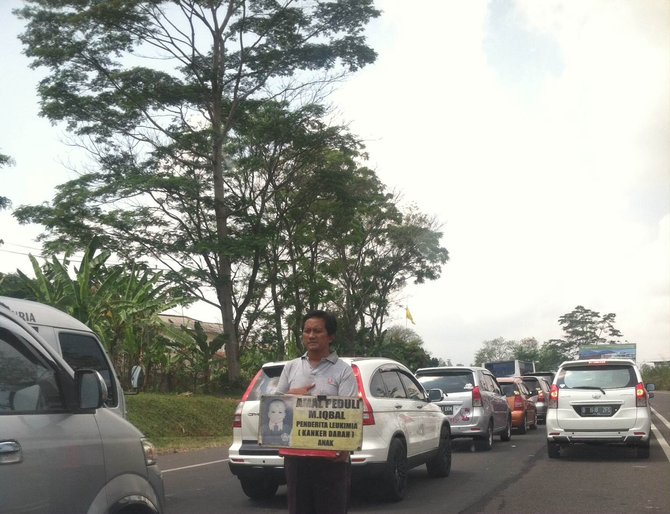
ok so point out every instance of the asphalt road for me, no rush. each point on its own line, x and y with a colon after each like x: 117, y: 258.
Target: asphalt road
x: 514, y: 477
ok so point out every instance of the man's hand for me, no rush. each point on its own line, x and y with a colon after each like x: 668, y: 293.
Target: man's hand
x: 301, y: 391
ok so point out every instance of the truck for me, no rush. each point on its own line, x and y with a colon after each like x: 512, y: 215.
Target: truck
x: 511, y: 368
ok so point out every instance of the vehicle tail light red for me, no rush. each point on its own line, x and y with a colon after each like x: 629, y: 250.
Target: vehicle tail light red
x: 553, y: 397
x: 237, y: 417
x: 476, y: 397
x: 519, y: 404
x: 640, y: 395
x: 368, y: 414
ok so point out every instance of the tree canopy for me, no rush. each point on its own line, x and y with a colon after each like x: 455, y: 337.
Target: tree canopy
x: 214, y: 160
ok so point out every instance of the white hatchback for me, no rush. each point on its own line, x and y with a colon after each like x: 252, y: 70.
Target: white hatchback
x: 599, y: 402
x: 402, y: 429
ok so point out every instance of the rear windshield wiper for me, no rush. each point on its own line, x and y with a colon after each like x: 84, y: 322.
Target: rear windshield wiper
x: 590, y: 387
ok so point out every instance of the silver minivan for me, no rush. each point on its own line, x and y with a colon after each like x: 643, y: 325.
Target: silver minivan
x: 473, y: 402
x: 61, y: 451
x: 79, y: 346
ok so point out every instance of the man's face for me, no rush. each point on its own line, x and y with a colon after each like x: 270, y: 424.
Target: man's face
x: 316, y: 338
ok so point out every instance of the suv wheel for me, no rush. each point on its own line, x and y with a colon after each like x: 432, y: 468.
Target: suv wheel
x: 395, y: 474
x: 506, y: 434
x: 643, y: 450
x: 486, y: 442
x: 259, y: 488
x: 440, y: 465
x: 553, y: 450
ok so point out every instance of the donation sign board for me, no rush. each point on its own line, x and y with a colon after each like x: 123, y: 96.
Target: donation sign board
x: 311, y: 422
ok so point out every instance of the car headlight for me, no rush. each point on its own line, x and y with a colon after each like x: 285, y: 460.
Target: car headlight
x: 149, y: 452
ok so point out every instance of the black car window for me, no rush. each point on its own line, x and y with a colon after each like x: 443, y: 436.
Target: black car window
x: 266, y: 383
x: 597, y: 377
x: 27, y: 383
x: 455, y: 382
x: 509, y: 390
x: 393, y: 384
x: 413, y: 390
x: 84, y: 351
x: 377, y: 387
x: 532, y: 383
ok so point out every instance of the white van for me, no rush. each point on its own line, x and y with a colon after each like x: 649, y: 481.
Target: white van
x: 60, y: 450
x: 72, y: 340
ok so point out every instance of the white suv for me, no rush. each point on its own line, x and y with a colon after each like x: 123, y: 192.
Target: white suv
x: 402, y: 429
x: 599, y: 402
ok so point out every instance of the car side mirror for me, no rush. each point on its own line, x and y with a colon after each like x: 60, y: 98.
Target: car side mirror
x: 650, y: 389
x: 91, y: 389
x: 137, y: 378
x: 435, y: 395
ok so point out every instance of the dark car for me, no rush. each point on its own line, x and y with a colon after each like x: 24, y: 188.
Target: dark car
x: 542, y: 389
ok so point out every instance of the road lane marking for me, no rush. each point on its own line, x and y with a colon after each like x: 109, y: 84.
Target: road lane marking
x: 661, y: 440
x: 194, y: 465
x: 658, y: 415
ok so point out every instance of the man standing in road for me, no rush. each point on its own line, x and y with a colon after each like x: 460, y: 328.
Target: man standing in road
x: 317, y: 482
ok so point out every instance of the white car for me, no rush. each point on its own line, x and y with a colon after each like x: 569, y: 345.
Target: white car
x: 600, y: 401
x: 402, y: 429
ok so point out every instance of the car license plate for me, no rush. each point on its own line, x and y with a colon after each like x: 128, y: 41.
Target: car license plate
x: 596, y: 410
x: 447, y: 409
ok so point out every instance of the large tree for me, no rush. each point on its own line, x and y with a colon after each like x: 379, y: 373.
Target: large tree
x: 585, y: 326
x: 157, y: 88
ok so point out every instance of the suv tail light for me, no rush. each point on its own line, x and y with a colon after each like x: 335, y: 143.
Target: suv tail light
x: 368, y: 414
x: 640, y: 395
x: 519, y: 404
x: 476, y: 397
x: 237, y: 417
x: 553, y: 397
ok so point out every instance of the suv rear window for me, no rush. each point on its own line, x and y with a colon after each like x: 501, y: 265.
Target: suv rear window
x: 597, y: 377
x: 454, y: 382
x: 266, y: 383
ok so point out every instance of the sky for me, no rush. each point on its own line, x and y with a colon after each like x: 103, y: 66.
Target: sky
x: 536, y: 133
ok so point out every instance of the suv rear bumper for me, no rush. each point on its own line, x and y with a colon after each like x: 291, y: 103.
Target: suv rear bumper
x: 603, y: 437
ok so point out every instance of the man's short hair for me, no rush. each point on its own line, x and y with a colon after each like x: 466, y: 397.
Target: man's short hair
x: 329, y: 320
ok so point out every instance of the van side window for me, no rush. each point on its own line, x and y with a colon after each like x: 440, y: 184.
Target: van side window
x: 27, y: 384
x: 84, y: 351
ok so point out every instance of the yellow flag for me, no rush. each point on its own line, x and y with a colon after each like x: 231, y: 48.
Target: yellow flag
x: 408, y: 315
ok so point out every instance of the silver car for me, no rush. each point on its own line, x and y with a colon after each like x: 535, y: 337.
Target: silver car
x: 600, y: 401
x: 540, y: 388
x: 473, y: 402
x: 61, y: 451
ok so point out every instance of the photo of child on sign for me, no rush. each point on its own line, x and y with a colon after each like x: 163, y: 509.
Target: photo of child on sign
x: 312, y: 422
x: 276, y: 423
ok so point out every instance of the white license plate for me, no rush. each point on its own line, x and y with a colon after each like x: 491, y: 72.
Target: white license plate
x: 596, y: 410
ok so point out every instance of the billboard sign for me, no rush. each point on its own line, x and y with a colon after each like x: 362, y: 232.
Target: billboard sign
x: 608, y: 351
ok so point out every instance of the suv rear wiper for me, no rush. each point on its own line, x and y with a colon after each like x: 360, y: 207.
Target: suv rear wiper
x: 590, y: 387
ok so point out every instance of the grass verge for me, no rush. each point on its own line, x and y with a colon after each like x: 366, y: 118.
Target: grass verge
x: 183, y: 422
